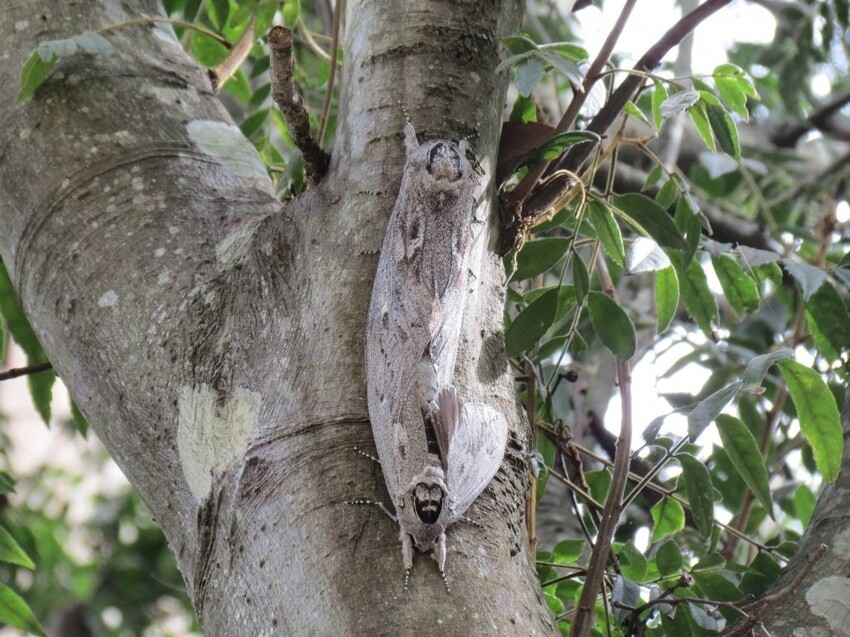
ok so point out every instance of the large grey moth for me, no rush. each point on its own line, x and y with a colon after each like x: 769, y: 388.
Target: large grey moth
x: 437, y: 451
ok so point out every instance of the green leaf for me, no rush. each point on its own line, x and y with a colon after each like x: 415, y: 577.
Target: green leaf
x: 829, y: 322
x: 652, y: 219
x: 566, y: 49
x: 743, y: 451
x: 659, y: 96
x: 701, y: 123
x: 253, y: 124
x: 34, y: 72
x: 678, y: 103
x: 612, y: 325
x: 698, y: 487
x: 531, y: 324
x: 757, y: 367
x: 668, y: 517
x: 599, y: 482
x: 517, y: 44
x: 291, y: 12
x: 668, y: 557
x: 715, y: 586
x: 740, y: 289
x: 217, y: 10
x: 607, y: 230
x: 666, y: 296
x: 524, y: 110
x: 632, y: 562
x: 581, y: 278
x: 818, y: 415
x: 528, y: 74
x: 11, y: 552
x: 537, y: 257
x: 808, y: 277
x: 238, y: 86
x: 15, y: 612
x: 724, y: 131
x: 207, y: 51
x: 566, y: 67
x: 697, y: 297
x: 633, y: 111
x: 265, y: 15
x: 7, y: 483
x: 18, y: 326
x: 568, y: 551
x: 79, y: 419
x: 556, y: 145
x: 804, y: 504
x: 709, y: 408
x: 644, y: 255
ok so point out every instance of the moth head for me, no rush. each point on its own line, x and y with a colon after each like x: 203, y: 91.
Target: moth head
x: 445, y: 162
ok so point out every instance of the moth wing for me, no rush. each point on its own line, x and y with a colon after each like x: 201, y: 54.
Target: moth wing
x: 475, y: 453
x: 445, y: 418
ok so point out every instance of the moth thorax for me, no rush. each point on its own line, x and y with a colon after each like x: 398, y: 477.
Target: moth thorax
x: 428, y: 502
x: 444, y: 162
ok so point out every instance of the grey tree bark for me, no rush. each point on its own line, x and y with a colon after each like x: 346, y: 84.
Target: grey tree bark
x: 214, y: 337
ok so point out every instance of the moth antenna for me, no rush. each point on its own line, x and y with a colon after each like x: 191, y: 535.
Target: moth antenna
x: 368, y: 455
x: 380, y: 505
x: 463, y: 518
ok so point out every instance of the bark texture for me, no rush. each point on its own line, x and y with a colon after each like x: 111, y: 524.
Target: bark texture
x: 214, y: 338
x: 820, y: 605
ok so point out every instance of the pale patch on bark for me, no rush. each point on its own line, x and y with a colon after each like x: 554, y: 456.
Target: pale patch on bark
x: 227, y: 144
x: 840, y: 545
x: 108, y: 299
x: 235, y: 246
x: 213, y: 436
x: 830, y: 598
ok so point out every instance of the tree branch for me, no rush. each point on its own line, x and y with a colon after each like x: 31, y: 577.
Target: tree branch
x: 24, y: 371
x: 291, y: 106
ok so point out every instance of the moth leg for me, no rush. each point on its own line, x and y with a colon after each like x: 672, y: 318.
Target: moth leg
x: 368, y: 455
x: 440, y: 556
x: 380, y: 505
x: 410, y: 141
x: 407, y: 555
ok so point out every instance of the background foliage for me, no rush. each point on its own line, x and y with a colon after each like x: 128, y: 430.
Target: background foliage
x: 725, y: 252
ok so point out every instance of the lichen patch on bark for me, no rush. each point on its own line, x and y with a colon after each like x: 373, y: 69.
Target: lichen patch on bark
x: 229, y: 147
x: 213, y: 435
x: 830, y: 598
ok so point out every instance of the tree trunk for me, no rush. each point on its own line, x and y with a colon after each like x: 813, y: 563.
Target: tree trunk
x: 214, y: 337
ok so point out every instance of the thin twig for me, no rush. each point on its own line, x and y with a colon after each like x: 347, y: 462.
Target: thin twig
x: 326, y: 109
x: 767, y: 602
x: 24, y: 371
x: 574, y: 157
x: 290, y: 104
x: 583, y: 620
x: 524, y: 188
x: 230, y: 64
x: 178, y: 23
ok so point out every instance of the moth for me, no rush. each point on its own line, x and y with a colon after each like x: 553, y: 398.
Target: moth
x: 437, y: 452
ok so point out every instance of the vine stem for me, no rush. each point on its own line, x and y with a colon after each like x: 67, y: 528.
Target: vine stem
x: 583, y: 620
x: 326, y: 108
x: 173, y: 21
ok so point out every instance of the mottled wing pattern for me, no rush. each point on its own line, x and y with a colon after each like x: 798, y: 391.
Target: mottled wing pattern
x: 475, y: 453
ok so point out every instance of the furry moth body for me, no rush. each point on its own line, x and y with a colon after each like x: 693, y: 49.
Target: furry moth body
x: 437, y: 452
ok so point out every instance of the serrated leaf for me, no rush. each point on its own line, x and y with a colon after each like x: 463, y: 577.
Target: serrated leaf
x: 829, y: 322
x: 644, y: 255
x: 700, y: 492
x: 567, y: 68
x: 531, y: 324
x: 678, y: 103
x: 33, y: 73
x: 666, y: 297
x: 11, y: 551
x: 517, y: 44
x: 809, y: 277
x: 556, y: 145
x: 730, y: 91
x: 648, y: 216
x: 611, y: 324
x: 607, y: 230
x: 708, y: 409
x: 567, y: 49
x: 740, y: 289
x: 668, y: 557
x: 537, y: 257
x: 757, y: 368
x: 743, y: 451
x: 15, y: 612
x: 581, y: 278
x: 724, y: 131
x: 817, y: 412
x: 528, y: 73
x: 697, y: 297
